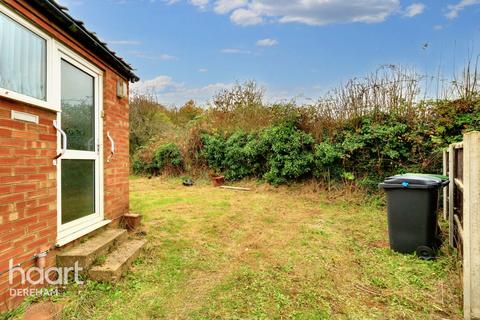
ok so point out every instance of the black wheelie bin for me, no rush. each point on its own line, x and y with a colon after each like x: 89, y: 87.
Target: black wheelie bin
x: 412, y: 201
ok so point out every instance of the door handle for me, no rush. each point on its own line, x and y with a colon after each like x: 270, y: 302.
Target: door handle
x: 64, y: 142
x: 112, y: 147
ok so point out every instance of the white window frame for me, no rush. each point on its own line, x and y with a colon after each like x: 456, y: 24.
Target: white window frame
x: 75, y: 229
x: 50, y: 84
x: 56, y: 51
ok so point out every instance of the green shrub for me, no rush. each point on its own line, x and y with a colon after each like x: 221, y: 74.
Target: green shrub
x: 279, y: 154
x: 237, y: 157
x: 290, y: 153
x: 142, y: 161
x: 363, y: 150
x: 244, y: 156
x: 167, y: 157
x: 213, y: 152
x: 378, y: 147
x: 365, y: 131
x: 327, y: 159
x: 138, y: 166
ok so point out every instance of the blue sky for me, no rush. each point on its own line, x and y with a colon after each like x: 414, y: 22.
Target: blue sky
x: 190, y: 49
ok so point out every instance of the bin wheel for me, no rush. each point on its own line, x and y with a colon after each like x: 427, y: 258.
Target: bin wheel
x: 425, y: 253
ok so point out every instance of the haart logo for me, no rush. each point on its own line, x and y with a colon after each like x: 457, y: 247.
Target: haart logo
x: 36, y: 276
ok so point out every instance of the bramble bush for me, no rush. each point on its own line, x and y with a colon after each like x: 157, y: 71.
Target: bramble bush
x: 279, y: 154
x: 243, y: 156
x: 167, y: 158
x: 289, y: 153
x: 327, y: 158
x: 213, y: 151
x: 359, y: 133
x: 377, y: 145
x: 138, y: 165
x: 239, y: 156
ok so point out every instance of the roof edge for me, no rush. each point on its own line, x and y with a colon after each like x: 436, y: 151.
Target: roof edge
x: 58, y: 15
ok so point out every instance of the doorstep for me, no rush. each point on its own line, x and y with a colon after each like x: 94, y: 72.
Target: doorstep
x: 80, y: 233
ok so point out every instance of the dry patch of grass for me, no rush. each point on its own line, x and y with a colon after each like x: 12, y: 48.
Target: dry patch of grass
x: 290, y: 252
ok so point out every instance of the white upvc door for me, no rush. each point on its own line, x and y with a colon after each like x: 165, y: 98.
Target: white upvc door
x: 80, y: 162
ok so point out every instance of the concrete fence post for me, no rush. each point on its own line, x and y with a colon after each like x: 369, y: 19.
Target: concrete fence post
x: 451, y: 191
x: 471, y: 225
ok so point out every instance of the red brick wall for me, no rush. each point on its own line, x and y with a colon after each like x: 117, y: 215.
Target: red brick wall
x: 28, y: 214
x: 117, y: 170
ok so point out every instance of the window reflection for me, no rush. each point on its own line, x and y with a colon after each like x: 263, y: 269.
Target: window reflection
x: 78, y: 108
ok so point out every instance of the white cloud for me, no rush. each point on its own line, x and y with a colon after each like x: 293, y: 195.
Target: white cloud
x: 202, y: 4
x: 246, y: 17
x: 203, y: 70
x: 235, y: 51
x: 162, y: 56
x: 267, y: 42
x: 314, y: 12
x: 158, y: 84
x: 165, y: 57
x: 226, y: 6
x: 311, y: 12
x: 453, y: 10
x: 161, y: 83
x: 438, y: 27
x: 414, y: 10
x: 124, y: 42
x: 327, y: 12
x: 170, y: 92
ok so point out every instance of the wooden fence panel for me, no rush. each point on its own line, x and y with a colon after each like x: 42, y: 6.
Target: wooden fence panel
x: 446, y: 189
x: 461, y: 162
x: 451, y: 203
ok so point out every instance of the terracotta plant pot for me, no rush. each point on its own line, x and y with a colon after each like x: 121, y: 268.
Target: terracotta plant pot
x: 218, y: 181
x: 131, y: 221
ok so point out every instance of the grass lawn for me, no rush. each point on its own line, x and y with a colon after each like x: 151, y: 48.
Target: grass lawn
x: 276, y: 253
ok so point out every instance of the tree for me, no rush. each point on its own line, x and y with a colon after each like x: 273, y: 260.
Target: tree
x: 148, y: 119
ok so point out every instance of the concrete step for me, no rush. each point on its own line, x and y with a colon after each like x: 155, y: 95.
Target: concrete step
x: 117, y: 262
x: 86, y: 253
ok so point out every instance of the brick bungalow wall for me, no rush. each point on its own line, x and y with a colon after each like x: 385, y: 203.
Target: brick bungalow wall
x: 28, y: 192
x: 116, y: 121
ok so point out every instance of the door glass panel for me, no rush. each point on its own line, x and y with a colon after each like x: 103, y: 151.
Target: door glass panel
x: 78, y: 115
x: 78, y: 189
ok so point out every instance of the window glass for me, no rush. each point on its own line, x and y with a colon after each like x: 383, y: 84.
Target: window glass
x: 23, y: 60
x: 78, y: 189
x: 78, y: 108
